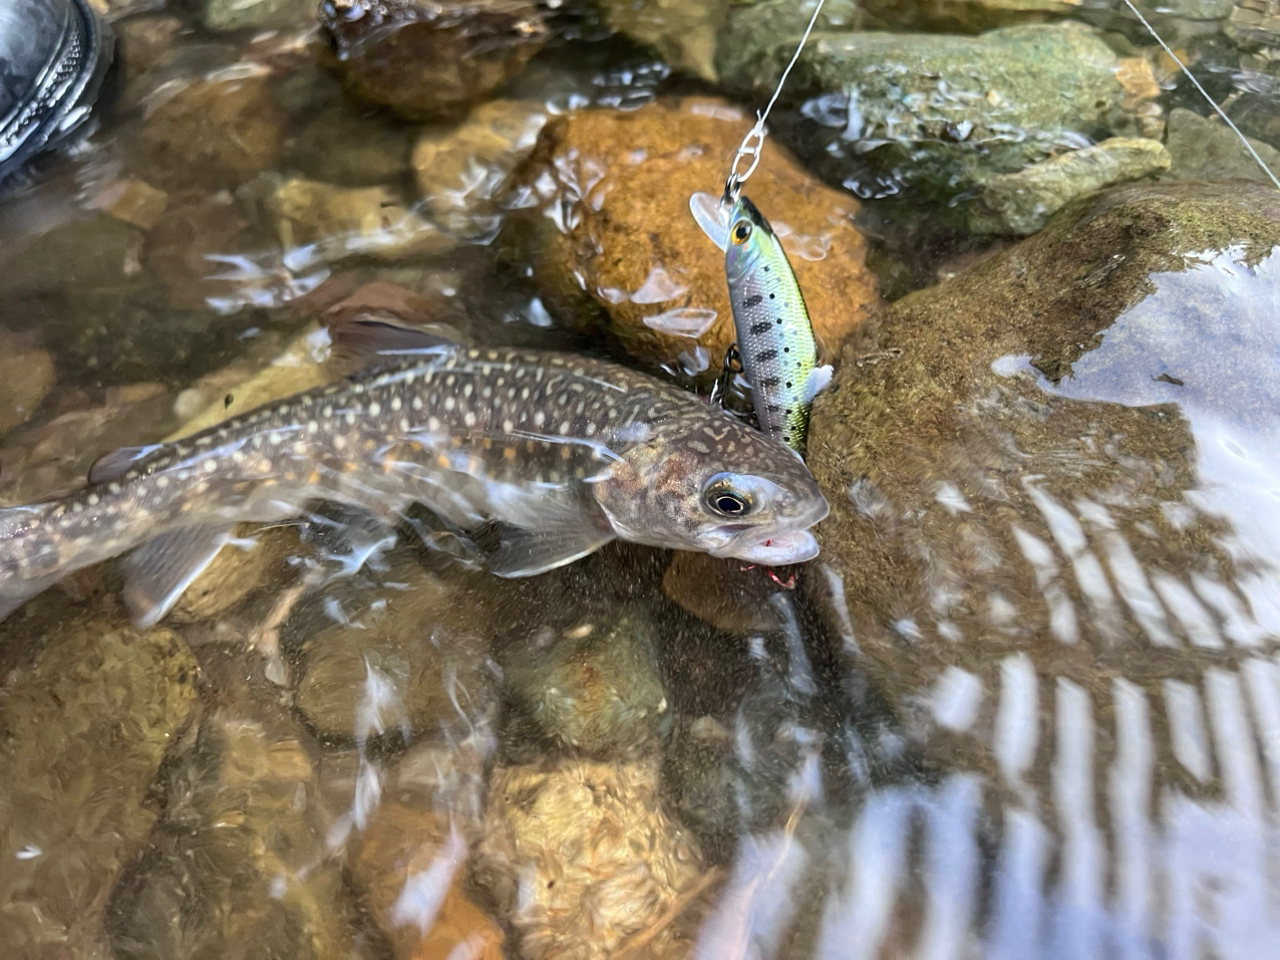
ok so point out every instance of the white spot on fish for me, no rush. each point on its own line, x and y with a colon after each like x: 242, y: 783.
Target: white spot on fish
x: 374, y: 409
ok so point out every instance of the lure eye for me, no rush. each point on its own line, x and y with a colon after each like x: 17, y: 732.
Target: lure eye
x: 741, y: 231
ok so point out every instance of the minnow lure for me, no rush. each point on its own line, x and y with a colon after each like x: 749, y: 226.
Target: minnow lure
x: 775, y: 337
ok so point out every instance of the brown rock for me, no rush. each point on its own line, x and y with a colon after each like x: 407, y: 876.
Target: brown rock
x: 623, y: 238
x: 215, y: 132
x: 725, y: 593
x: 429, y: 60
x: 235, y: 573
x: 145, y: 40
x: 582, y: 858
x: 85, y: 727
x: 26, y: 377
x: 401, y: 844
x: 132, y: 200
x: 461, y: 171
x: 53, y: 456
x: 347, y: 221
x: 413, y: 652
x: 683, y: 31
x: 238, y: 867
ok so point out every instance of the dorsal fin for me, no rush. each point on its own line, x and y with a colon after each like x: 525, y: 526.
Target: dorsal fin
x: 119, y: 462
x: 360, y: 343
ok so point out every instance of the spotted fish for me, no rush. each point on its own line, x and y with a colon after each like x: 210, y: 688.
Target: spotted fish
x: 566, y: 453
x: 775, y: 336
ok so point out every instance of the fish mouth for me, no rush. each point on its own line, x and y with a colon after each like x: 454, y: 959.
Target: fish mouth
x: 779, y: 549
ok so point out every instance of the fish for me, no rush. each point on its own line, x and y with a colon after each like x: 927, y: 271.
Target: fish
x: 774, y: 333
x: 563, y: 453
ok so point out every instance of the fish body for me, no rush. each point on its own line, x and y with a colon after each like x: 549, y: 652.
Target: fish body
x: 775, y: 336
x: 565, y: 452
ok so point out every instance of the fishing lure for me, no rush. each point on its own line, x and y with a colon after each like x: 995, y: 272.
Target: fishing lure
x: 775, y: 338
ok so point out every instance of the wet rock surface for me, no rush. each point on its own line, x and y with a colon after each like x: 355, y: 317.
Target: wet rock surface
x: 409, y: 658
x: 255, y: 14
x: 1023, y: 202
x: 592, y: 688
x: 237, y: 866
x: 1032, y: 490
x: 938, y: 113
x: 338, y: 222
x: 461, y: 172
x: 601, y: 862
x: 26, y: 377
x: 682, y: 31
x: 429, y: 61
x: 605, y: 181
x: 84, y: 725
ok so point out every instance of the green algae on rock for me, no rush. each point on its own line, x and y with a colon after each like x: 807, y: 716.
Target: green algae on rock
x: 1022, y: 202
x: 594, y: 688
x: 940, y: 113
x: 83, y: 729
x: 1054, y: 477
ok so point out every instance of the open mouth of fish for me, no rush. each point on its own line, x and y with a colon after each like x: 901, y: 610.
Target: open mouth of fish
x: 793, y: 546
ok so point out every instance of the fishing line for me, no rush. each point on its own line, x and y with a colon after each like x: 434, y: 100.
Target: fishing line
x: 1204, y: 93
x: 753, y: 142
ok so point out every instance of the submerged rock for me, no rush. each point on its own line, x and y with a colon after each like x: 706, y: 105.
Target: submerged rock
x: 255, y: 14
x: 350, y: 145
x: 1053, y: 545
x: 593, y: 687
x: 26, y: 377
x: 682, y: 31
x: 721, y: 592
x: 582, y: 859
x: 462, y: 171
x: 410, y: 868
x: 410, y: 657
x: 1204, y: 149
x: 939, y: 113
x: 964, y: 16
x: 429, y: 61
x: 612, y: 230
x: 212, y: 132
x: 338, y: 222
x: 1023, y: 202
x: 238, y: 866
x: 83, y: 728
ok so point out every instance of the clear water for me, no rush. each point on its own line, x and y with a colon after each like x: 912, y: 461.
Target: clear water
x: 372, y: 751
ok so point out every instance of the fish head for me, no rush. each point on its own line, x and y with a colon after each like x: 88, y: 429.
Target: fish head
x: 712, y: 484
x: 750, y: 240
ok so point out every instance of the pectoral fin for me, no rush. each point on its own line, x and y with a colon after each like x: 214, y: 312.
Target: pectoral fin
x: 524, y: 553
x: 157, y: 573
x: 712, y: 217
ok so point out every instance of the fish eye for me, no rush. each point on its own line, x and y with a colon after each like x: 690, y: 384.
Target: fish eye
x: 723, y: 499
x: 741, y: 231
